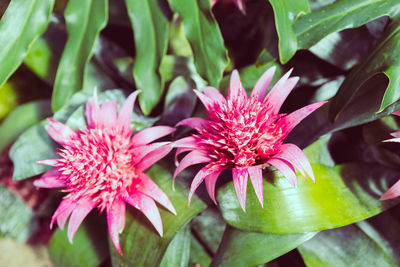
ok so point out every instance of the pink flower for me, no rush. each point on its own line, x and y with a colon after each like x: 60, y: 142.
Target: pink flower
x: 393, y: 191
x: 243, y: 134
x: 239, y: 4
x: 103, y: 166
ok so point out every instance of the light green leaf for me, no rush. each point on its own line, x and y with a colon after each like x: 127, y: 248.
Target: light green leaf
x: 22, y: 23
x: 204, y: 36
x: 85, y: 19
x: 178, y: 251
x: 150, y: 26
x: 286, y: 12
x: 140, y: 244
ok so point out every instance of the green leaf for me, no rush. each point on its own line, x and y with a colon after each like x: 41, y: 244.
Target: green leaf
x: 243, y: 248
x: 150, y: 26
x: 341, y: 195
x: 362, y: 244
x: 286, y: 12
x: 204, y: 36
x: 140, y: 244
x: 340, y: 15
x: 384, y: 58
x: 15, y: 216
x: 20, y: 119
x: 89, y: 246
x: 8, y: 98
x: 22, y: 23
x: 85, y: 19
x: 178, y: 250
x: 198, y: 255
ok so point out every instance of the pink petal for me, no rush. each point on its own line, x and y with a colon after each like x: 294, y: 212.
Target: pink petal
x: 108, y: 114
x: 197, y: 180
x: 178, y: 152
x: 140, y: 152
x: 116, y: 221
x: 150, y: 134
x: 240, y: 5
x: 293, y: 154
x: 208, y: 103
x: 285, y: 168
x: 92, y: 111
x: 78, y: 214
x: 187, y: 142
x: 125, y: 113
x: 396, y: 140
x: 146, y: 205
x: 256, y: 178
x: 261, y: 87
x: 396, y: 134
x: 62, y: 212
x: 210, y: 181
x: 50, y: 179
x: 194, y: 157
x: 214, y: 94
x: 240, y: 177
x: 236, y: 90
x: 153, y: 157
x: 397, y: 113
x: 280, y: 91
x: 195, y: 123
x: 393, y: 192
x: 60, y: 132
x: 49, y: 162
x: 147, y: 186
x: 291, y: 120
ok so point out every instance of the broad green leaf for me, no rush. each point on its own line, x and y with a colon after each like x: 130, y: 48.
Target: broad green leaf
x: 85, y: 19
x: 22, y: 23
x: 15, y: 216
x: 140, y: 244
x: 383, y: 59
x: 198, y: 255
x: 204, y: 36
x: 243, y: 248
x: 8, y: 98
x: 340, y: 15
x: 341, y: 195
x: 367, y: 243
x: 178, y: 251
x: 89, y: 247
x: 150, y: 26
x: 20, y: 119
x: 286, y: 12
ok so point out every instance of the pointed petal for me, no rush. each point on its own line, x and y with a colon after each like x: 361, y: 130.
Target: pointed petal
x: 397, y: 113
x: 393, y: 192
x: 50, y: 162
x: 125, y: 113
x: 210, y: 181
x: 62, y: 212
x: 293, y: 154
x: 60, y: 132
x: 108, y: 114
x: 240, y: 5
x: 240, y: 177
x: 197, y: 180
x: 147, y: 186
x: 214, y: 94
x: 153, y: 157
x: 396, y: 134
x: 146, y: 205
x: 396, y: 140
x: 116, y: 221
x: 50, y: 179
x: 92, y: 111
x: 236, y: 90
x: 280, y: 91
x: 208, y: 103
x: 290, y: 121
x: 140, y: 152
x: 194, y: 157
x: 256, y: 178
x: 285, y: 168
x: 178, y: 152
x: 150, y: 134
x: 261, y: 87
x: 186, y: 142
x: 78, y: 214
x: 195, y: 123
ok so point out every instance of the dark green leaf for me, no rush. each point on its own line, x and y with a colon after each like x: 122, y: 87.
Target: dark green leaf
x: 140, y: 244
x: 178, y: 250
x: 198, y: 255
x: 210, y: 56
x: 85, y: 19
x: 15, y: 216
x: 242, y: 248
x: 150, y: 26
x: 286, y: 12
x: 22, y: 23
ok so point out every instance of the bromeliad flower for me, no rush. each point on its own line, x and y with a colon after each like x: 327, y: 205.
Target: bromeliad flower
x: 393, y: 191
x: 243, y: 134
x: 103, y: 165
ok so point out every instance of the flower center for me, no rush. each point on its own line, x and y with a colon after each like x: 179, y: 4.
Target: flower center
x: 97, y: 165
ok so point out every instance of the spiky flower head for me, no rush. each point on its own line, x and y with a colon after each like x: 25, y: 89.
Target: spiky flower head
x: 393, y: 191
x: 244, y: 134
x: 103, y: 166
